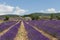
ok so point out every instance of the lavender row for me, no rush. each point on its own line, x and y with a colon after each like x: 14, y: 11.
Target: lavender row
x: 34, y: 34
x: 11, y: 34
x: 6, y: 25
x: 51, y: 26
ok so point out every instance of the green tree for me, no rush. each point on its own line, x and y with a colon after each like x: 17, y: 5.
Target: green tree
x: 51, y: 16
x: 6, y: 18
x: 34, y: 17
x: 58, y: 17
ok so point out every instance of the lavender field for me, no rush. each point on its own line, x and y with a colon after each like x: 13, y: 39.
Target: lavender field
x: 30, y: 30
x: 29, y: 19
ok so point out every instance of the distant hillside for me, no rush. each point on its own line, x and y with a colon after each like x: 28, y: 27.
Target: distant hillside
x: 9, y: 15
x: 43, y: 14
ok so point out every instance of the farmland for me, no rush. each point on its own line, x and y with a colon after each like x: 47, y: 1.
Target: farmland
x: 30, y: 30
x: 29, y: 19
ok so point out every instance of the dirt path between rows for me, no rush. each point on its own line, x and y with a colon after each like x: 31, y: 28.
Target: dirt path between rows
x: 22, y: 33
x: 44, y: 33
x: 1, y: 21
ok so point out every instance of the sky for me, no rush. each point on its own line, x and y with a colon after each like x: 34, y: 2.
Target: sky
x: 22, y: 7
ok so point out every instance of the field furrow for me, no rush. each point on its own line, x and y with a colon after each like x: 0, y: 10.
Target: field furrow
x: 22, y: 33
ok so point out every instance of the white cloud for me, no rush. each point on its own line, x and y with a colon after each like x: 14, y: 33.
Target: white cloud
x: 50, y: 10
x: 6, y: 9
x: 19, y: 11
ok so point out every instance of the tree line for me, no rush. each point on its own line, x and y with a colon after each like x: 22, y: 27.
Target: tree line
x: 36, y: 17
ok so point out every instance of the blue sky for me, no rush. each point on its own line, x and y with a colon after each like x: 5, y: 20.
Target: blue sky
x: 34, y: 5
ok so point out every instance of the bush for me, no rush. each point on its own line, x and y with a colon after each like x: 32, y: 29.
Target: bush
x: 6, y: 18
x: 58, y: 17
x: 34, y: 17
x: 51, y: 16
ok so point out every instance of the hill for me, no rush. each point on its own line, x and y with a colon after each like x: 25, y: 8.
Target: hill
x: 42, y: 14
x: 9, y: 15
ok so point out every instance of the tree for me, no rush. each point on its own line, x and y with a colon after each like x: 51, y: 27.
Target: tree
x: 51, y: 16
x: 58, y: 17
x: 6, y: 18
x: 34, y: 17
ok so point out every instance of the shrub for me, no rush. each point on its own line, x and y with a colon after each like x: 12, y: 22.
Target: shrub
x: 51, y: 16
x: 6, y: 18
x: 58, y: 17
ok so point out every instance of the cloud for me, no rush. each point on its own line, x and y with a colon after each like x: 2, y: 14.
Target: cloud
x: 19, y: 11
x: 50, y: 10
x: 6, y: 9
